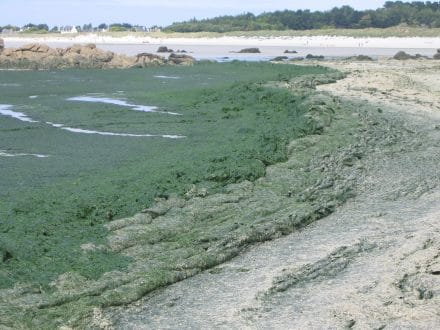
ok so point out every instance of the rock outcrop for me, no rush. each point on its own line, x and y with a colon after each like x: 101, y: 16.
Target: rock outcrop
x: 144, y: 59
x: 2, y: 45
x: 180, y: 59
x: 437, y: 56
x: 37, y: 56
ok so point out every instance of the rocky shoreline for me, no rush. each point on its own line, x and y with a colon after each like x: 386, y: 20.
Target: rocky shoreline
x: 40, y: 57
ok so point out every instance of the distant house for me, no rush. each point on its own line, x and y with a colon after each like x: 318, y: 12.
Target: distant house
x: 68, y: 29
x: 154, y: 29
x: 139, y: 28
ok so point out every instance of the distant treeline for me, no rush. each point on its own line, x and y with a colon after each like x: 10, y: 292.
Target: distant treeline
x: 44, y: 28
x: 393, y: 13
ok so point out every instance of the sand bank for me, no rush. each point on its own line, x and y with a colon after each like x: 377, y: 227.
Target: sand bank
x: 311, y: 41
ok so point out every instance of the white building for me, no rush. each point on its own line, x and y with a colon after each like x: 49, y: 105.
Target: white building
x: 68, y: 29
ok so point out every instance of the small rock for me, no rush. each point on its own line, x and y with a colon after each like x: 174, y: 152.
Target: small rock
x: 279, y: 59
x: 164, y: 49
x: 314, y: 57
x: 250, y: 50
x: 350, y: 324
x: 401, y: 55
x: 2, y: 45
x: 360, y: 58
x: 290, y: 51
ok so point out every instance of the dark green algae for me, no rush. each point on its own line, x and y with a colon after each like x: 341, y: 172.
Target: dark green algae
x: 235, y: 125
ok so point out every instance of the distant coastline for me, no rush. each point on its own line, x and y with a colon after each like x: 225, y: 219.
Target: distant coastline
x: 242, y: 39
x: 225, y: 47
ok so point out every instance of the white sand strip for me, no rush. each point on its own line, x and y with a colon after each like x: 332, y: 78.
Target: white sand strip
x: 288, y: 41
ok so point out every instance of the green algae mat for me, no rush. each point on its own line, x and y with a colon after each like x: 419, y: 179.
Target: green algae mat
x: 82, y: 148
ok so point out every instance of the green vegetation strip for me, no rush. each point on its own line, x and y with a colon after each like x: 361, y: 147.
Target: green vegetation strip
x: 395, y: 31
x: 63, y: 252
x: 392, y: 14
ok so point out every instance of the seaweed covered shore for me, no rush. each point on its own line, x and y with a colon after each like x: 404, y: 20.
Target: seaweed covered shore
x: 264, y: 155
x: 64, y: 231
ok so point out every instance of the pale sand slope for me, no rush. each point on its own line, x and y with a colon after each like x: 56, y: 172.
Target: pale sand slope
x: 373, y: 264
x: 315, y: 41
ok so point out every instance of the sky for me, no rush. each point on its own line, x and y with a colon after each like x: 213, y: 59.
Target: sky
x: 149, y: 12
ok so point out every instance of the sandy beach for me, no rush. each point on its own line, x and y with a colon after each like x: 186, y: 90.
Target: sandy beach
x: 314, y: 41
x: 225, y: 46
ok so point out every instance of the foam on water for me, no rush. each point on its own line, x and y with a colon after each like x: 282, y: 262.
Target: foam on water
x: 166, y: 77
x: 3, y: 153
x: 86, y: 131
x: 107, y: 100
x: 54, y: 125
x: 33, y: 96
x: 5, y: 111
x: 10, y: 85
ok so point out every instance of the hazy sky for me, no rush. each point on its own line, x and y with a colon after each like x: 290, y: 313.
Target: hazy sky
x: 148, y: 12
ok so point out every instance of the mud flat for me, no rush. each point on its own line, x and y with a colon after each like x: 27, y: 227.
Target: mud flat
x: 373, y: 263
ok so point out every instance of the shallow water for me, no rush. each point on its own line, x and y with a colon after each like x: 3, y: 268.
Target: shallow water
x: 5, y: 111
x: 107, y: 100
